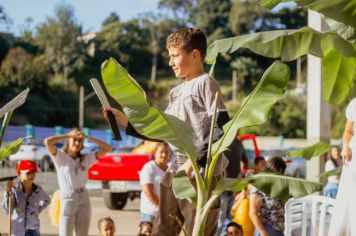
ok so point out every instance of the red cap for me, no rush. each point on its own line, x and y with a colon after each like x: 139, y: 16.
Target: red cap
x: 26, y: 166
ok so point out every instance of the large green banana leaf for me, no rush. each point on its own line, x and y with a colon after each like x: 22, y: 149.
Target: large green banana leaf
x: 9, y: 108
x: 14, y: 103
x: 345, y: 31
x: 147, y: 119
x: 340, y: 10
x: 290, y: 44
x: 11, y: 148
x: 231, y: 184
x: 282, y: 187
x: 255, y: 108
x: 312, y: 151
x: 336, y: 171
x: 338, y: 75
x: 274, y: 185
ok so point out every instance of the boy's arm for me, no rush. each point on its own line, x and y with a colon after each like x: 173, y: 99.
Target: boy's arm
x: 123, y: 121
x: 45, y: 200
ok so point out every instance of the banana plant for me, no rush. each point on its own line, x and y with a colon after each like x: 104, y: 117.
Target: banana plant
x: 151, y: 122
x: 316, y: 150
x: 345, y: 12
x: 309, y: 152
x: 338, y: 55
x: 6, y: 112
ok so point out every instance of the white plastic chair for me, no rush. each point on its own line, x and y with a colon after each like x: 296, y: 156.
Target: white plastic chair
x: 308, y: 216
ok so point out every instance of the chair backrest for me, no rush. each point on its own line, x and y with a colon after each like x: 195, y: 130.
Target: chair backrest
x: 308, y: 216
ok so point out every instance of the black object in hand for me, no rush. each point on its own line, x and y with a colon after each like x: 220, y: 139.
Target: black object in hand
x: 114, y: 127
x: 7, y: 178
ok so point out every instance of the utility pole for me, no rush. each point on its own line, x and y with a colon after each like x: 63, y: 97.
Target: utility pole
x: 81, y: 108
x: 82, y: 99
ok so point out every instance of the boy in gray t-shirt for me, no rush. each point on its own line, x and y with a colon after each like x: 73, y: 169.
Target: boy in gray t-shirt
x: 192, y: 102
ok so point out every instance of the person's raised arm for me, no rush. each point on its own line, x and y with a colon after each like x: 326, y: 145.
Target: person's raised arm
x: 51, y: 141
x: 348, y: 134
x: 104, y: 147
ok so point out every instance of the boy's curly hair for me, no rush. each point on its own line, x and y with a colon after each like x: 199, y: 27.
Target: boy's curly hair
x: 188, y: 39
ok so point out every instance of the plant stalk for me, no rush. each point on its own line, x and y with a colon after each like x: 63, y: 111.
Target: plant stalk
x: 211, y: 136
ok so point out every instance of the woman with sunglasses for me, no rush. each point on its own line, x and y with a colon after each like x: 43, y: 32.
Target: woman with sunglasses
x: 72, y: 168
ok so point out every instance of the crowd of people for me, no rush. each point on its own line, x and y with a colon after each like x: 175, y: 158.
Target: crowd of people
x: 192, y: 101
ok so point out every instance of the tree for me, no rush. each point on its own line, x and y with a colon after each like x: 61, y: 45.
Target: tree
x: 112, y: 18
x: 15, y: 64
x: 26, y: 31
x: 181, y: 9
x: 59, y: 40
x: 213, y: 17
x: 243, y: 16
x: 127, y: 42
x: 158, y: 28
x: 4, y: 18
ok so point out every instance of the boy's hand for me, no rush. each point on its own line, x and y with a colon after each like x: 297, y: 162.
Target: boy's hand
x: 9, y: 186
x: 121, y: 118
x: 187, y: 167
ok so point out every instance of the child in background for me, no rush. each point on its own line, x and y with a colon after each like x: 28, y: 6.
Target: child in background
x: 146, y: 228
x: 106, y: 227
x: 234, y: 229
x: 28, y: 201
x: 259, y: 165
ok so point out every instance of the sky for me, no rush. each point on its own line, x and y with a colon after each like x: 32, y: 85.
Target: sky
x: 90, y: 13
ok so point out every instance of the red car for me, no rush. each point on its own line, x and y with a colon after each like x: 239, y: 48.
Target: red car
x: 119, y: 173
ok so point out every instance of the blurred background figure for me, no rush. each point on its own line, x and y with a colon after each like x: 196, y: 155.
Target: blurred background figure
x: 72, y: 173
x: 234, y: 229
x: 236, y: 154
x: 151, y: 176
x: 266, y: 213
x: 106, y: 227
x: 334, y: 161
x: 259, y: 165
x: 146, y: 228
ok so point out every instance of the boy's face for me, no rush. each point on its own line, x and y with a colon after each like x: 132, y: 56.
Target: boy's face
x: 27, y: 177
x: 260, y: 166
x: 146, y: 229
x: 107, y: 229
x: 162, y: 155
x: 233, y: 231
x: 182, y: 62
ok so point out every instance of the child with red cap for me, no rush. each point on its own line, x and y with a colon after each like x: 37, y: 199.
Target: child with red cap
x: 28, y: 201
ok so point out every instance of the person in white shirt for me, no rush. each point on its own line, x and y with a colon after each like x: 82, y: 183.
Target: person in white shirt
x: 151, y: 176
x: 333, y: 162
x: 72, y: 173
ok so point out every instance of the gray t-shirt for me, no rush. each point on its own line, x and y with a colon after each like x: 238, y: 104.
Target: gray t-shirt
x: 192, y: 102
